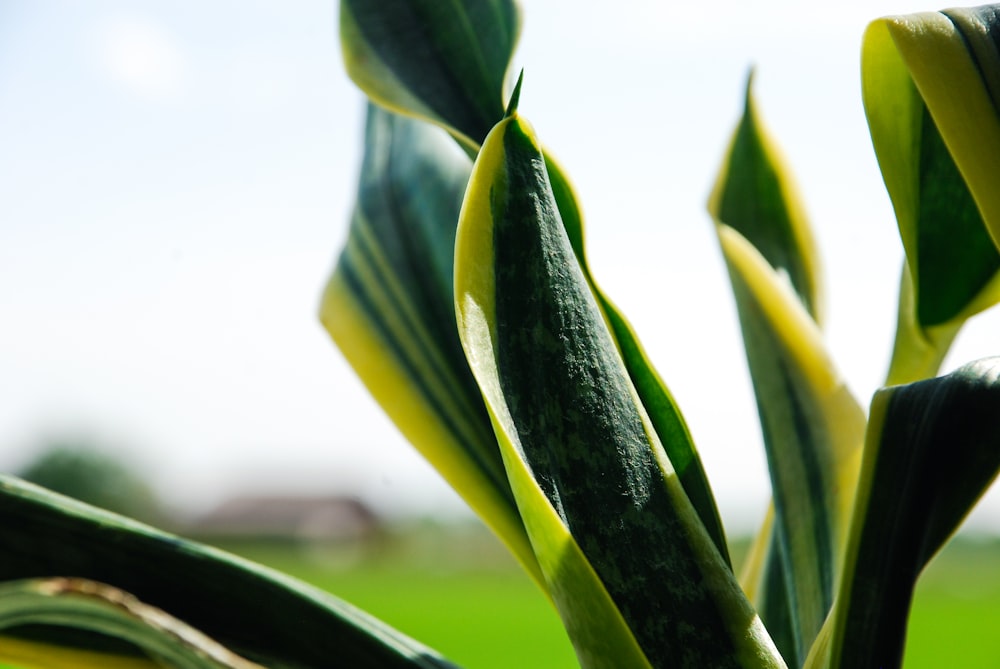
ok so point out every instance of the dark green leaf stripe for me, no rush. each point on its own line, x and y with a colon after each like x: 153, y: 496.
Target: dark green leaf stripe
x: 432, y: 384
x: 389, y: 306
x: 450, y: 56
x: 587, y: 442
x: 955, y: 257
x: 932, y: 449
x: 408, y: 204
x: 264, y: 616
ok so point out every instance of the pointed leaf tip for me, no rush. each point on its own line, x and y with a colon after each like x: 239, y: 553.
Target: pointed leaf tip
x: 515, y: 97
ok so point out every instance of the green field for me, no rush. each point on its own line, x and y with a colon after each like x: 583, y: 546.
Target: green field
x: 480, y: 611
x: 458, y: 592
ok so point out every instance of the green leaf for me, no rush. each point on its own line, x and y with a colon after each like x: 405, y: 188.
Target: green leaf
x: 932, y: 449
x: 389, y: 307
x: 936, y: 134
x: 813, y: 431
x: 636, y: 577
x: 756, y: 196
x: 812, y: 427
x: 444, y: 62
x: 96, y: 607
x: 659, y: 403
x: 763, y: 581
x: 262, y: 615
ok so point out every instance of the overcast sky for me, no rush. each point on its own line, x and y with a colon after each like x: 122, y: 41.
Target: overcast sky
x: 176, y: 179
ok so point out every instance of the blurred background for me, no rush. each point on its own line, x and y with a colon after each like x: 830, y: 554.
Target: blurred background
x: 176, y: 180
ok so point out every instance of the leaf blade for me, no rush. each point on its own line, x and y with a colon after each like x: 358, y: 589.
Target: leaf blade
x: 260, y: 614
x: 813, y: 432
x: 444, y: 62
x: 96, y: 607
x: 931, y: 128
x: 389, y: 308
x: 931, y: 451
x: 565, y: 412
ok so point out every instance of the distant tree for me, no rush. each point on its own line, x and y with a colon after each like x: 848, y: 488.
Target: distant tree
x: 85, y: 473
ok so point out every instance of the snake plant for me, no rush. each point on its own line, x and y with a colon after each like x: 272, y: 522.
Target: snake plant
x: 464, y: 300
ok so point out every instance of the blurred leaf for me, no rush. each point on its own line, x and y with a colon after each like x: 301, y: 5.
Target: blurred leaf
x: 936, y: 133
x: 444, y: 62
x: 389, y: 307
x: 629, y: 563
x: 83, y: 604
x: 260, y: 614
x: 932, y: 449
x: 18, y: 653
x: 813, y: 431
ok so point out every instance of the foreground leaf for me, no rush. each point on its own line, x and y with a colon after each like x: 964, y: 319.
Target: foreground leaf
x: 95, y: 607
x: 929, y: 89
x: 666, y: 417
x: 444, y: 62
x: 636, y: 577
x: 264, y: 616
x: 932, y: 449
x: 389, y: 307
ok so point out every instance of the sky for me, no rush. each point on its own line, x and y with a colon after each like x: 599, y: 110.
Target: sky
x: 175, y: 185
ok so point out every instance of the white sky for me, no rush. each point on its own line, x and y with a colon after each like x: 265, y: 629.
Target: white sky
x: 175, y: 183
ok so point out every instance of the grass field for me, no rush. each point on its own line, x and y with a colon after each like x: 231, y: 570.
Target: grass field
x: 459, y: 593
x: 474, y: 606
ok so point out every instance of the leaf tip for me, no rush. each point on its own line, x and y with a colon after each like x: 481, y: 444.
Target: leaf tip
x: 515, y: 97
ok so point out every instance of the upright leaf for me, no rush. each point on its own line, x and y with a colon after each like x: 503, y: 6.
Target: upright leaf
x: 812, y: 427
x: 389, y: 306
x: 263, y: 616
x: 929, y: 88
x: 931, y: 450
x: 628, y: 561
x: 411, y: 55
x: 444, y: 62
x: 813, y: 431
x: 755, y: 195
